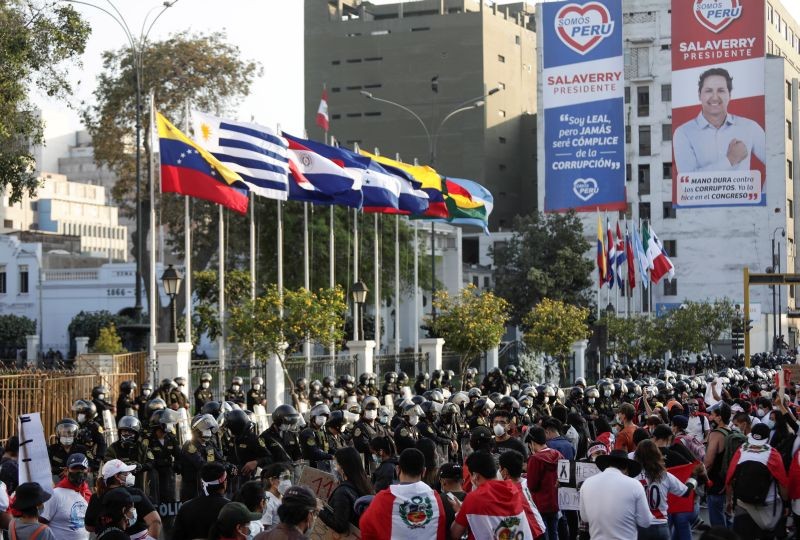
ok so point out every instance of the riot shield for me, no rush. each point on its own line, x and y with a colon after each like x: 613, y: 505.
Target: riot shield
x: 109, y: 427
x: 261, y: 418
x: 184, y: 430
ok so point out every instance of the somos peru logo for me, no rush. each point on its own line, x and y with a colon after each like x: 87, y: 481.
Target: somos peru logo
x: 582, y: 28
x: 716, y: 15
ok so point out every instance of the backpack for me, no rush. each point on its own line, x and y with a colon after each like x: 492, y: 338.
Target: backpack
x: 694, y: 446
x: 751, y: 482
x: 733, y: 441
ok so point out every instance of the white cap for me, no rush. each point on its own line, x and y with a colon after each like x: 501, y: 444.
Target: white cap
x: 114, y: 467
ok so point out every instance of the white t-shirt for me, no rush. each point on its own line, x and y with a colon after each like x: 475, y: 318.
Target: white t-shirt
x: 65, y: 511
x: 270, y: 516
x: 657, y: 492
x: 699, y: 427
x: 3, y: 497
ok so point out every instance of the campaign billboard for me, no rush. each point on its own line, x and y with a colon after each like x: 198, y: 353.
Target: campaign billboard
x: 718, y: 107
x: 583, y: 103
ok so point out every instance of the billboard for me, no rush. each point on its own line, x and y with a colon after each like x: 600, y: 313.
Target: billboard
x: 718, y: 108
x: 583, y: 94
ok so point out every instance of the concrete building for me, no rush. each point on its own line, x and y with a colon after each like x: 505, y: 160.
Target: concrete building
x: 431, y: 56
x: 79, y: 166
x: 709, y: 246
x: 71, y: 208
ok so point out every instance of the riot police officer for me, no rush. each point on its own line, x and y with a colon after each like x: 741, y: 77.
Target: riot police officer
x: 235, y: 393
x: 390, y: 387
x: 300, y: 397
x: 481, y: 410
x: 155, y: 404
x: 245, y: 449
x: 315, y: 392
x: 165, y: 389
x: 338, y: 399
x: 145, y: 395
x: 334, y: 430
x: 403, y: 380
x: 100, y: 400
x: 203, y: 393
x: 280, y: 438
x: 90, y: 433
x: 126, y: 403
x: 327, y: 389
x: 196, y: 452
x: 452, y: 427
x: 436, y: 380
x: 164, y: 446
x: 406, y: 435
x: 367, y: 428
x: 177, y: 399
x: 131, y: 448
x: 421, y: 386
x: 66, y: 444
x: 313, y: 439
x: 470, y: 379
x: 347, y: 383
x: 257, y: 395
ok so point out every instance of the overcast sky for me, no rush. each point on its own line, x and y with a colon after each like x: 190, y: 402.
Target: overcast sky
x: 269, y: 31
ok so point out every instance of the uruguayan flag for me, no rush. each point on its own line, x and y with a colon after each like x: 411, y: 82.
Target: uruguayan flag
x: 256, y: 152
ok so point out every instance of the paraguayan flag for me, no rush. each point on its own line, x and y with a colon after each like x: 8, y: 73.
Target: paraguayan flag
x: 257, y: 153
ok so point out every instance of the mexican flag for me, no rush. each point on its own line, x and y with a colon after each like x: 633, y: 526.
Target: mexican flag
x: 657, y: 260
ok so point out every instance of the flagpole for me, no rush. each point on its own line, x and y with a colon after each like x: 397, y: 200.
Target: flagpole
x: 252, y: 260
x: 279, y: 230
x: 396, y: 286
x: 599, y: 273
x: 153, y: 233
x: 356, y: 335
x: 187, y: 248
x: 377, y: 295
x: 306, y: 277
x: 221, y: 296
x: 415, y: 328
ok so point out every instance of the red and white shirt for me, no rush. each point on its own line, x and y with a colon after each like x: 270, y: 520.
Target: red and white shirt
x: 404, y: 512
x: 496, y: 509
x: 658, y: 491
x: 762, y: 454
x: 534, y: 517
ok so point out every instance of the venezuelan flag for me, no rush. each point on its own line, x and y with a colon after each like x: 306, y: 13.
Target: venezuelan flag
x: 189, y: 170
x: 601, y: 253
x: 431, y: 182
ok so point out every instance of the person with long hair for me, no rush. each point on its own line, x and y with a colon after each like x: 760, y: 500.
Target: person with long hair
x: 428, y: 449
x: 658, y: 483
x: 385, y: 454
x: 353, y: 483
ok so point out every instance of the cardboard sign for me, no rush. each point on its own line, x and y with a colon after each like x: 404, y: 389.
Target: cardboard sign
x: 323, y: 532
x: 320, y: 482
x: 565, y: 472
x: 34, y: 464
x: 569, y: 498
x: 584, y: 471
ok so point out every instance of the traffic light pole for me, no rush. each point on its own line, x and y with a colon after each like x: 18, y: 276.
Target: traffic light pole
x: 763, y: 279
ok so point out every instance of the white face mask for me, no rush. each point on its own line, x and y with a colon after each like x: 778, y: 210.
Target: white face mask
x: 67, y: 441
x: 591, y: 401
x: 146, y: 393
x: 256, y: 387
x: 206, y: 434
x: 205, y: 385
x: 383, y: 419
x: 607, y: 393
x: 499, y: 430
x: 235, y: 387
x: 129, y: 481
x: 101, y: 396
x: 283, y: 486
x: 81, y: 418
x: 761, y: 413
x: 770, y: 423
x: 320, y: 420
x: 413, y: 420
x: 336, y: 400
x: 523, y: 410
x: 133, y: 517
x: 370, y: 415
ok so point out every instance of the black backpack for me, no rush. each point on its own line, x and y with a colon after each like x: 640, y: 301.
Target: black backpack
x: 752, y: 482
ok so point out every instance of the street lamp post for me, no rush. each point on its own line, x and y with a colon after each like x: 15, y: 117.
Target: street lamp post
x: 171, y: 279
x: 359, y: 293
x: 776, y: 268
x: 137, y: 50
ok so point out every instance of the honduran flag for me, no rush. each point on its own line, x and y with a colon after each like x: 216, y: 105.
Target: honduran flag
x: 318, y: 180
x: 404, y: 512
x: 188, y: 169
x: 380, y: 190
x: 413, y: 200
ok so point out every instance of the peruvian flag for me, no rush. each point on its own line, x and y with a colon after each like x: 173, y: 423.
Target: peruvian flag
x: 322, y: 112
x: 629, y: 257
x: 660, y: 265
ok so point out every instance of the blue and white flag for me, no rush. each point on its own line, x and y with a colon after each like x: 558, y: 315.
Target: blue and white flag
x: 640, y: 256
x: 256, y: 152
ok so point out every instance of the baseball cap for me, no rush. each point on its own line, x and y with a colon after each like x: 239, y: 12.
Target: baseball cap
x: 759, y: 435
x: 119, y: 498
x: 451, y: 471
x: 235, y: 513
x: 29, y: 495
x: 680, y: 421
x: 114, y: 467
x: 299, y: 496
x: 77, y: 460
x: 480, y: 435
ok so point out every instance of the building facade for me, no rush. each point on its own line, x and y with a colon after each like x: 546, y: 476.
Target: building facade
x: 69, y: 208
x: 708, y: 246
x: 433, y: 57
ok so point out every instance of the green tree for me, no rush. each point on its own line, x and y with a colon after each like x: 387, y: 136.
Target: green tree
x: 696, y: 325
x: 553, y: 326
x: 39, y: 41
x: 545, y: 258
x: 205, y: 315
x: 652, y: 333
x: 623, y: 335
x: 471, y: 322
x: 14, y: 328
x: 108, y: 342
x: 275, y: 325
x: 89, y: 323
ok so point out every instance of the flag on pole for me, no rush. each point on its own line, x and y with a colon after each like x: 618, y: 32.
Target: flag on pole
x: 601, y: 253
x: 322, y: 112
x: 469, y: 203
x: 620, y: 260
x: 660, y: 265
x: 319, y: 180
x: 413, y: 200
x: 641, y: 256
x: 611, y: 255
x: 257, y: 153
x: 189, y: 169
x: 629, y: 257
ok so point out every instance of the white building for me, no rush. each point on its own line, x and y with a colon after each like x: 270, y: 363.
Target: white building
x: 72, y: 208
x: 78, y: 165
x: 709, y: 246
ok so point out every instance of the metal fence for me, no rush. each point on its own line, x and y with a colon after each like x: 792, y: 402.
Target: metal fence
x: 409, y: 363
x: 221, y: 378
x: 50, y: 393
x: 320, y: 367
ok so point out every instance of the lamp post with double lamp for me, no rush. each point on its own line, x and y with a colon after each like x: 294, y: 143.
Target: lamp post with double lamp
x: 775, y: 267
x: 468, y: 105
x: 171, y: 279
x: 359, y: 293
x: 137, y: 45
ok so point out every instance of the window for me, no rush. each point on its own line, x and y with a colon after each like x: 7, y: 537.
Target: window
x: 373, y: 59
x: 356, y: 87
x: 789, y: 208
x: 666, y: 170
x: 789, y: 129
x: 627, y: 94
x: 8, y: 224
x: 644, y: 140
x: 34, y: 206
x: 476, y: 281
x: 669, y: 211
x: 2, y: 279
x: 502, y: 140
x: 501, y: 58
x: 671, y: 247
x: 354, y: 115
x: 373, y: 113
x: 665, y: 47
x: 666, y: 132
x: 353, y: 60
x: 627, y: 134
x: 789, y: 90
x: 336, y: 89
x: 501, y: 166
x: 789, y: 169
x: 644, y: 210
x: 628, y: 172
x: 516, y: 40
x: 421, y: 29
x: 670, y: 287
x: 335, y: 62
x: 644, y: 179
x: 23, y: 279
x: 643, y: 100
x: 666, y: 93
x: 486, y: 283
x: 336, y: 116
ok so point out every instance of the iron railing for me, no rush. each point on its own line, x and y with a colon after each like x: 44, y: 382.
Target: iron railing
x: 409, y: 363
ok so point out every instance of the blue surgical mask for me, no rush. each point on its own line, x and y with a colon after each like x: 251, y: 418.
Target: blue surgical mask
x: 132, y: 517
x: 770, y: 423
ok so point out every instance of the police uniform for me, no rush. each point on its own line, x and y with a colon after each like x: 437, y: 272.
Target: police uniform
x: 476, y: 420
x: 429, y: 430
x: 256, y: 397
x: 314, y: 443
x: 201, y: 397
x: 177, y: 400
x: 362, y: 391
x: 236, y: 396
x: 165, y: 459
x: 284, y: 447
x: 58, y: 457
x: 335, y: 440
x: 102, y: 405
x: 137, y: 453
x: 193, y: 455
x: 91, y: 436
x: 126, y: 406
x: 390, y: 389
x: 363, y: 432
x: 141, y: 408
x: 405, y: 436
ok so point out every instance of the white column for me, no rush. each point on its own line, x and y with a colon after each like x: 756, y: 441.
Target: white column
x: 173, y: 359
x: 32, y: 350
x: 276, y: 382
x: 492, y: 359
x: 433, y: 348
x: 81, y: 345
x: 579, y: 350
x: 365, y: 351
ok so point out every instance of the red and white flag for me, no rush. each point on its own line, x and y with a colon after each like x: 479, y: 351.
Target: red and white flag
x: 322, y: 112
